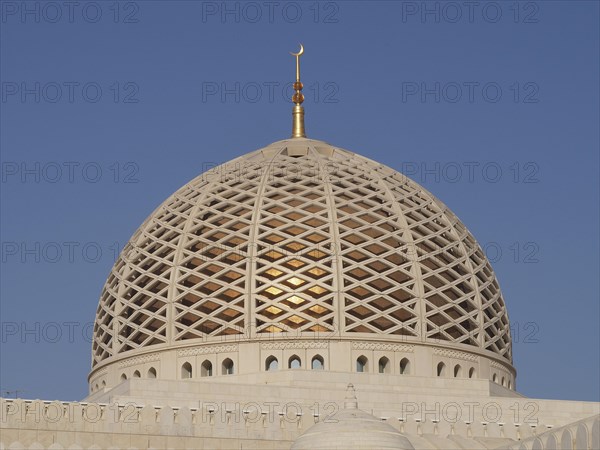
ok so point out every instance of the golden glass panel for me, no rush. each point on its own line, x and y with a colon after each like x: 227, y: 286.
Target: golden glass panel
x: 317, y: 254
x: 295, y: 281
x: 295, y: 263
x: 318, y: 290
x: 318, y: 309
x: 273, y: 290
x: 317, y: 271
x: 273, y: 272
x: 295, y: 299
x: 274, y: 310
x: 296, y: 319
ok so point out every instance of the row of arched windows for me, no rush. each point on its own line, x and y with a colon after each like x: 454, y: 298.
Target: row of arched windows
x: 94, y: 389
x: 384, y: 365
x: 294, y: 362
x: 136, y: 374
x: 317, y: 363
x: 503, y: 381
x: 206, y: 369
x: 457, y: 371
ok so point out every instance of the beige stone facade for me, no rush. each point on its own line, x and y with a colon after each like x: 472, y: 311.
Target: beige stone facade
x: 250, y: 305
x: 273, y: 409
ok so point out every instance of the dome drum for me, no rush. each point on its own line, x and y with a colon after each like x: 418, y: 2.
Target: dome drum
x: 249, y: 358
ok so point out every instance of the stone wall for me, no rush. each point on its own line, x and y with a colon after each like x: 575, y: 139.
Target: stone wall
x: 54, y: 424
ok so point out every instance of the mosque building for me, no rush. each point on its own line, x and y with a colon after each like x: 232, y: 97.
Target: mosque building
x: 301, y: 296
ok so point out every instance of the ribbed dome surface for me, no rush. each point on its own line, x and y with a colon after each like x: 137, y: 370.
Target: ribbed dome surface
x: 301, y: 238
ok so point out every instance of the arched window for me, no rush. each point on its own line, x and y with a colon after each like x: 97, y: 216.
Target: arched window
x: 123, y: 377
x: 271, y: 363
x: 509, y: 384
x: 551, y: 442
x: 96, y: 387
x: 227, y: 367
x: 404, y: 366
x: 361, y: 364
x: 457, y: 371
x: 581, y: 436
x: 503, y: 382
x: 441, y: 369
x: 566, y: 440
x: 472, y: 372
x: 294, y: 362
x: 136, y: 374
x: 186, y: 370
x: 151, y: 372
x: 103, y: 383
x: 384, y: 365
x: 495, y: 378
x: 317, y: 363
x: 206, y: 369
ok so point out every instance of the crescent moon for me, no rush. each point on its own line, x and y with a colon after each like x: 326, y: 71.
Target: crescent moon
x: 300, y: 52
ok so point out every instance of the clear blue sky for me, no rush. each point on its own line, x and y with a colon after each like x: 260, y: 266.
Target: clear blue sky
x: 107, y: 108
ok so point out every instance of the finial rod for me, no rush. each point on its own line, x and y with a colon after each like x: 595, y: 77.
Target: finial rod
x: 298, y: 97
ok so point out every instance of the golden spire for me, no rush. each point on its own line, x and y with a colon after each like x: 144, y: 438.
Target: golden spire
x: 298, y: 98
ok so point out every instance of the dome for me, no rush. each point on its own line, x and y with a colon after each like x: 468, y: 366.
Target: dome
x: 351, y: 429
x: 301, y: 240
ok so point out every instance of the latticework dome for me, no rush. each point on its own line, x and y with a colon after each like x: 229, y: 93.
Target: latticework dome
x: 296, y: 240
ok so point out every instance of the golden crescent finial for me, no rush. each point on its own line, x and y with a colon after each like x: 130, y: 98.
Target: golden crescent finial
x: 301, y: 52
x: 297, y: 55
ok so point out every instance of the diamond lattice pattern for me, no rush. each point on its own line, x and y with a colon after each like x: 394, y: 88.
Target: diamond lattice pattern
x: 301, y: 238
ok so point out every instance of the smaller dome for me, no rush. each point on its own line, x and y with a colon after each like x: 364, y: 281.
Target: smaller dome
x: 351, y: 429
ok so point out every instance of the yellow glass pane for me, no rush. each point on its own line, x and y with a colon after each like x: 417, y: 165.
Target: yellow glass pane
x: 318, y: 309
x: 274, y: 310
x: 273, y: 290
x: 317, y: 272
x: 295, y: 246
x: 295, y: 299
x: 295, y: 281
x: 273, y: 272
x: 296, y: 319
x: 295, y: 263
x: 273, y: 254
x: 317, y: 290
x: 317, y: 254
